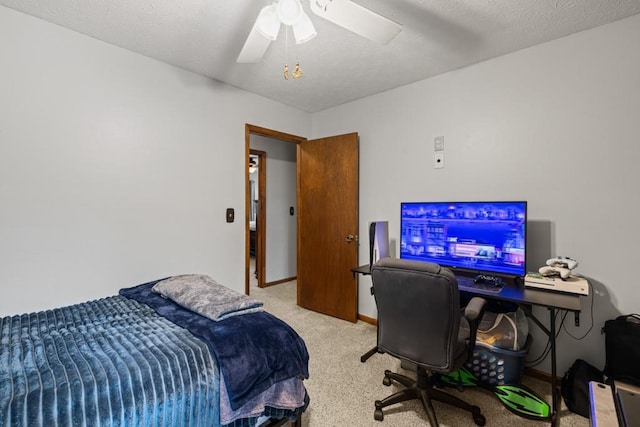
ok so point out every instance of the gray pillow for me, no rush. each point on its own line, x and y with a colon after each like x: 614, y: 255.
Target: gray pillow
x: 203, y: 295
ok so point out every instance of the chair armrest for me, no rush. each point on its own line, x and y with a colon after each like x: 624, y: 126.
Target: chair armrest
x: 474, y: 310
x: 473, y: 313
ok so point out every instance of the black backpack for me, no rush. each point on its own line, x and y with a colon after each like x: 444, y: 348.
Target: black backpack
x: 575, y: 386
x: 622, y: 348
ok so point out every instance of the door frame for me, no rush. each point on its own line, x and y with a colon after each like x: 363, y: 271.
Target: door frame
x: 249, y: 130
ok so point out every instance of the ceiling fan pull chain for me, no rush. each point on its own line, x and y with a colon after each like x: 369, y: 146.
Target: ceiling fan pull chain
x: 286, y: 52
x: 297, y: 72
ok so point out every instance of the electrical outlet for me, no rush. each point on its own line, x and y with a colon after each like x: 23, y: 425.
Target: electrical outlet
x: 438, y: 143
x: 438, y: 160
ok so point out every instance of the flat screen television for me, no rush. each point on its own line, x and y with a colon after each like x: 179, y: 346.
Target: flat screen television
x: 481, y: 237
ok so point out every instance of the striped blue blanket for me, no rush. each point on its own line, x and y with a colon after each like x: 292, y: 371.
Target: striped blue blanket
x: 107, y: 362
x: 112, y: 361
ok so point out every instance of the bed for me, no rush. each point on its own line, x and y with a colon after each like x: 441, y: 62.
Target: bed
x: 140, y: 358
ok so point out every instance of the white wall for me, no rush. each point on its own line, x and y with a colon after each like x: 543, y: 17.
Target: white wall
x: 556, y: 125
x: 281, y: 235
x: 115, y: 169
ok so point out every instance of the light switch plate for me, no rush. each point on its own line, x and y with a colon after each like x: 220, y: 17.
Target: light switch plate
x: 438, y: 160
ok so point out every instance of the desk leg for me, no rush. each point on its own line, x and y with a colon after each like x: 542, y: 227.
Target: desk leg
x: 368, y: 354
x: 554, y: 379
x: 551, y: 333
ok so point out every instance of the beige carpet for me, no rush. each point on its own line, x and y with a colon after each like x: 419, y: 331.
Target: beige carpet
x: 342, y: 389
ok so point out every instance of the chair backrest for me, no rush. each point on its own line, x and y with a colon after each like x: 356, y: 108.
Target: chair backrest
x: 418, y: 313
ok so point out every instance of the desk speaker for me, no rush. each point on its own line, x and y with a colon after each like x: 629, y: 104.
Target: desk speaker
x: 378, y: 241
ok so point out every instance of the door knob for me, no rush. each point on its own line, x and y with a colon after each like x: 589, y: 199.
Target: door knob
x: 351, y: 238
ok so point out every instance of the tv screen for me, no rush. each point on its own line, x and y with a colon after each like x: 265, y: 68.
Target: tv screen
x: 486, y: 237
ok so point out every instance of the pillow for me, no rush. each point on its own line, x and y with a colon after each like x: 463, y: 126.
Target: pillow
x: 203, y: 295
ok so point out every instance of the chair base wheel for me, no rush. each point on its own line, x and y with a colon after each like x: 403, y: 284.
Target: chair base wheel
x: 378, y: 415
x: 478, y: 418
x: 386, y: 381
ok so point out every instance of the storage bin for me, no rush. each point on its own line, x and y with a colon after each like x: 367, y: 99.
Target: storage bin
x: 497, y: 366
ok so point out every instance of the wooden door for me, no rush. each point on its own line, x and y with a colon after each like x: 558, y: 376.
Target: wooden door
x: 327, y: 192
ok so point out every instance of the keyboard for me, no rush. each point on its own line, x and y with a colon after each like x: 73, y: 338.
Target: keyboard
x: 470, y: 283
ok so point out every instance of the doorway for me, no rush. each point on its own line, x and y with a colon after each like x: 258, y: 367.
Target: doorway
x: 326, y: 216
x: 269, y: 200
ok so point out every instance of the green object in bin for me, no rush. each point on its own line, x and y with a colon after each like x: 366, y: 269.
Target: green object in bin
x: 518, y: 399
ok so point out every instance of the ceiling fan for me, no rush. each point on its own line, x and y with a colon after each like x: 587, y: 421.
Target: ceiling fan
x: 344, y: 13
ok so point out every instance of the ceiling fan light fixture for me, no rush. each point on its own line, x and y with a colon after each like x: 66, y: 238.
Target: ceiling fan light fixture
x: 290, y: 11
x: 304, y: 30
x: 268, y: 23
x: 344, y: 13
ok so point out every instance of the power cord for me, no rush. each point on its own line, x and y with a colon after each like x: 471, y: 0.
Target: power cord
x: 547, y: 349
x: 591, y: 314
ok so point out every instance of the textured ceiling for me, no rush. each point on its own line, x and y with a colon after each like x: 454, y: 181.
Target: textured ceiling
x: 439, y: 35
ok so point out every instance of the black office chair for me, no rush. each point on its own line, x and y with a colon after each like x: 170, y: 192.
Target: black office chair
x: 419, y: 319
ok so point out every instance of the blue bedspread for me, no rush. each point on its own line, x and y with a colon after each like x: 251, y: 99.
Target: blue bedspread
x: 253, y: 351
x: 106, y: 362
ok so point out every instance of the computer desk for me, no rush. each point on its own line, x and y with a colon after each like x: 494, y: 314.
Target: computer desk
x: 524, y: 298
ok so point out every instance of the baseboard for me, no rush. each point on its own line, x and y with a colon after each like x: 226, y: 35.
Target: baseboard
x: 369, y: 320
x: 539, y: 375
x: 277, y: 282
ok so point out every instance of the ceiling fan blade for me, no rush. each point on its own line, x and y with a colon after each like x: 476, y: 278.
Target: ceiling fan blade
x: 254, y: 47
x: 357, y: 19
